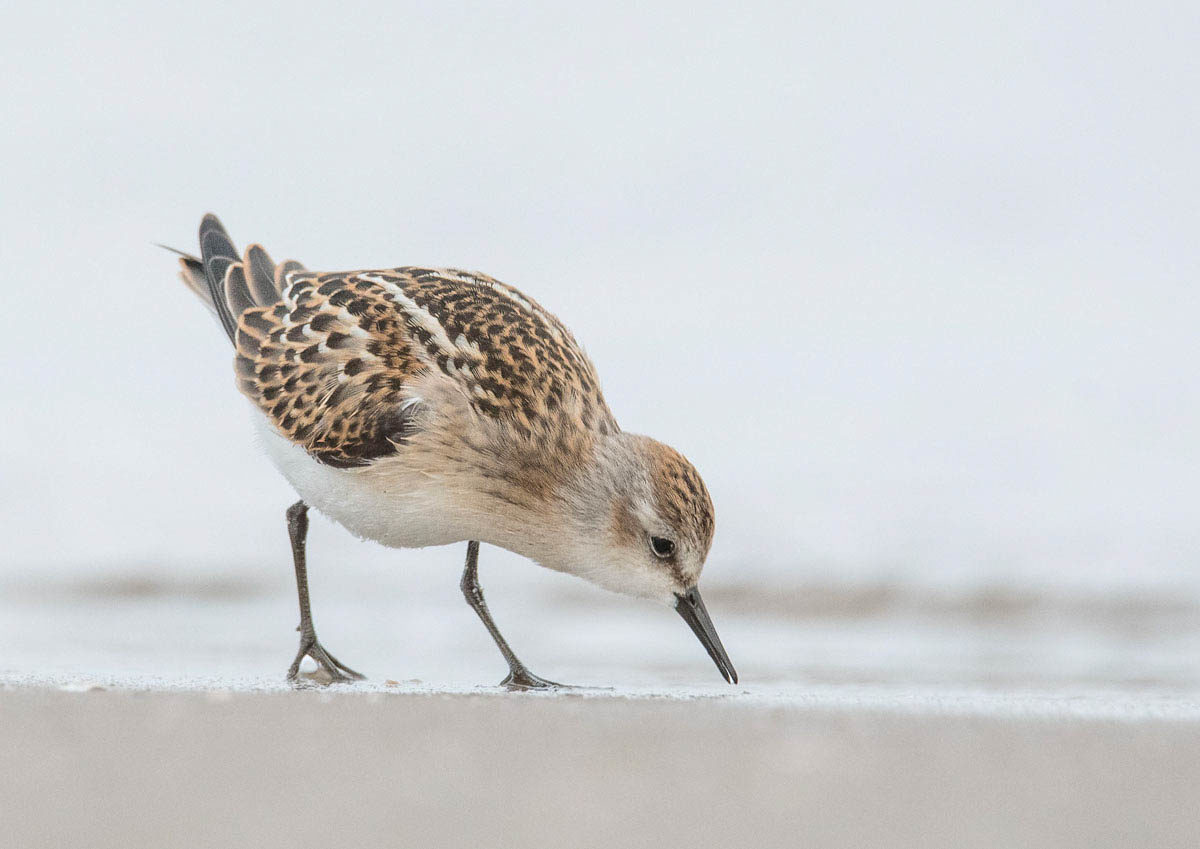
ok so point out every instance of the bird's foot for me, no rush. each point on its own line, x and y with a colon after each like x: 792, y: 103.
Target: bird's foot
x: 330, y: 670
x: 521, y: 679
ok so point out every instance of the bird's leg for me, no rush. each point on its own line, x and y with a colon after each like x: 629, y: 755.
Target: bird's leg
x: 297, y: 518
x: 519, y: 677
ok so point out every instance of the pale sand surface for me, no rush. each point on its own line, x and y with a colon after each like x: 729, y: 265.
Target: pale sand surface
x: 155, y: 768
x: 143, y: 711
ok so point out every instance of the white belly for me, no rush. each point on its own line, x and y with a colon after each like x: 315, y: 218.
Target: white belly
x: 384, y: 502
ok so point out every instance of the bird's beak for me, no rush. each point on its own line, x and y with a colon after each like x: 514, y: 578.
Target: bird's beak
x: 691, y: 607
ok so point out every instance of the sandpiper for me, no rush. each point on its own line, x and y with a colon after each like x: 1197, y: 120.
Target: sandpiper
x: 428, y: 406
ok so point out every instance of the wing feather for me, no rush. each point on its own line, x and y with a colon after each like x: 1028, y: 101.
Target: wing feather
x: 332, y: 358
x: 237, y: 293
x: 229, y: 285
x: 285, y: 268
x: 327, y: 371
x: 217, y: 253
x: 261, y: 274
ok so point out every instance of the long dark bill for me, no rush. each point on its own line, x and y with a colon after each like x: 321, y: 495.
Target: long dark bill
x: 691, y: 607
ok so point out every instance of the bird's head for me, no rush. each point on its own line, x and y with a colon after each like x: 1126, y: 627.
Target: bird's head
x: 645, y: 527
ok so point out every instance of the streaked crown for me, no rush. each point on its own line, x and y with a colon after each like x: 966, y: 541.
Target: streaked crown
x: 683, y: 502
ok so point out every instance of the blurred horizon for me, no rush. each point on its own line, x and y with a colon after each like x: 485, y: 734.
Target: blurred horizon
x: 914, y: 288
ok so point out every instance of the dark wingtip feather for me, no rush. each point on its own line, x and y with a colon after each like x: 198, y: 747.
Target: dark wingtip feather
x: 211, y: 222
x: 261, y: 273
x: 237, y: 294
x: 217, y: 252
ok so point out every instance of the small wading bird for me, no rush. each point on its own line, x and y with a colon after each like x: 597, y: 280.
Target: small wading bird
x: 422, y: 406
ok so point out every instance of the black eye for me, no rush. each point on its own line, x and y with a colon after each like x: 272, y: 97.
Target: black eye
x: 662, y: 546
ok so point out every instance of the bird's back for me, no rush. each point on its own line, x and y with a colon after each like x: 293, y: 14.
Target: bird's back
x: 335, y: 360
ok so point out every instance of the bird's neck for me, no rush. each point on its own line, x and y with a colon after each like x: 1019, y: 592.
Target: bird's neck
x: 560, y: 505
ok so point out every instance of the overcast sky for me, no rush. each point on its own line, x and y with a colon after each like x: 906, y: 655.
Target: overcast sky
x: 914, y: 286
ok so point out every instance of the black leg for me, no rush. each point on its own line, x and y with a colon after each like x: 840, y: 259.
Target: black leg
x: 297, y: 518
x: 519, y: 678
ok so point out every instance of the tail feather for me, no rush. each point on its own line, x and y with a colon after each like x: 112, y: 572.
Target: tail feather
x: 191, y: 272
x: 226, y: 284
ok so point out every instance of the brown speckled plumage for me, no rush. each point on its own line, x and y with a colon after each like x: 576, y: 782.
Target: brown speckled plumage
x: 333, y: 363
x: 329, y: 365
x: 331, y: 358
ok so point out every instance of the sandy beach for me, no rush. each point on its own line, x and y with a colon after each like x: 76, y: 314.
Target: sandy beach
x: 139, y: 710
x: 125, y: 768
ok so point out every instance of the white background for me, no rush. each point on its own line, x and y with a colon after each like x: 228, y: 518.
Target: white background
x: 914, y: 286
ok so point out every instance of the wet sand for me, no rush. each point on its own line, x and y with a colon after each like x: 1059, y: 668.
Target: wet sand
x: 137, y: 712
x: 122, y: 768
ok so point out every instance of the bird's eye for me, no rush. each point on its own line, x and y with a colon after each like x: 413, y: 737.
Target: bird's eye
x: 662, y: 546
